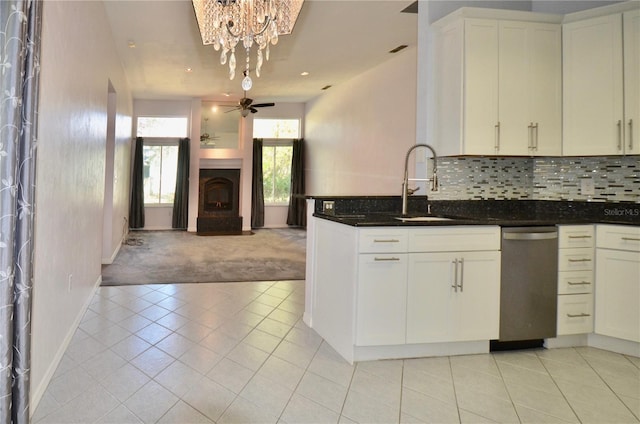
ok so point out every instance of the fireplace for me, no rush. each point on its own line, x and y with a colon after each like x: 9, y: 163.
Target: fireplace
x: 219, y: 201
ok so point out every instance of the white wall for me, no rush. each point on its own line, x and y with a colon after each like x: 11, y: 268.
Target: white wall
x: 358, y: 132
x: 78, y: 60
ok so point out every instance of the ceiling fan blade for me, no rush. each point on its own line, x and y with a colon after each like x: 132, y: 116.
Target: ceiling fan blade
x: 253, y: 110
x: 232, y: 110
x: 264, y: 105
x: 245, y: 102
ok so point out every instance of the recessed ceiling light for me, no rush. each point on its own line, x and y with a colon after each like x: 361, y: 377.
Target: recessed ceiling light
x: 189, y: 70
x: 131, y: 44
x: 226, y: 94
x: 304, y: 74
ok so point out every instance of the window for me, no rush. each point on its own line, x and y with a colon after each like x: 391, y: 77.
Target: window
x: 159, y: 126
x: 277, y: 152
x: 160, y: 156
x: 160, y: 169
x: 276, y: 128
x: 276, y: 173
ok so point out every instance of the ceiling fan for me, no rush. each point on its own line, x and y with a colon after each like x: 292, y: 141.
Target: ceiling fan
x: 245, y: 105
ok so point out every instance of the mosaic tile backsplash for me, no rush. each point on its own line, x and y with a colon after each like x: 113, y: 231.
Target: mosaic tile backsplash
x: 609, y: 178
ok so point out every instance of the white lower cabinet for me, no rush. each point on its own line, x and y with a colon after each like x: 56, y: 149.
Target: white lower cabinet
x: 617, y: 300
x: 382, y: 297
x: 453, y: 296
x: 575, y: 279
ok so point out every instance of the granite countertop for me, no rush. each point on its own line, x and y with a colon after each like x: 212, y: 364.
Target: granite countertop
x: 378, y: 211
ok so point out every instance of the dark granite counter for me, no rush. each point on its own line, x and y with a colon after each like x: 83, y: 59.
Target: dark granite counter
x: 368, y: 211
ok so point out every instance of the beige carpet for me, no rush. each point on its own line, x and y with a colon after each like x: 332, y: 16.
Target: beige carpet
x: 150, y: 257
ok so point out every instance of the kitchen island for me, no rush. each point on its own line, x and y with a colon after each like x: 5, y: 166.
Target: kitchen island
x: 383, y: 287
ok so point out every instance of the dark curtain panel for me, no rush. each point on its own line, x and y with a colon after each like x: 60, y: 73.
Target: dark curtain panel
x: 297, y: 214
x: 257, y: 191
x: 136, y: 208
x: 20, y: 28
x: 181, y: 200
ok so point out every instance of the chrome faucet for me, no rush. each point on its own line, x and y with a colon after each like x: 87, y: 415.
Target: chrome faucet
x: 406, y: 191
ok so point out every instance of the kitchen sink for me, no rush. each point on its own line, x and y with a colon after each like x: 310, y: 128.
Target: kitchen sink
x: 421, y: 218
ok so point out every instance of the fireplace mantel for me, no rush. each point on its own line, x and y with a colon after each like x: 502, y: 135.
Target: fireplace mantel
x: 220, y: 163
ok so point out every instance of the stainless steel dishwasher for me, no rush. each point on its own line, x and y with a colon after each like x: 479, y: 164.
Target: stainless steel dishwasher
x: 528, y: 285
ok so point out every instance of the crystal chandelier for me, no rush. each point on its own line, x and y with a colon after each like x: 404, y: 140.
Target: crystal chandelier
x: 225, y: 23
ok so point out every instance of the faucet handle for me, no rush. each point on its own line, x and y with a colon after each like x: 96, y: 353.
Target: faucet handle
x: 412, y: 190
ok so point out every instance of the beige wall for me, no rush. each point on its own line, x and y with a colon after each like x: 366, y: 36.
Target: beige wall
x: 78, y: 60
x: 358, y: 132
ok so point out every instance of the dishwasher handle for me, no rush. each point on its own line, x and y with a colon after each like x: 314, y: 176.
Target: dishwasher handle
x: 531, y: 236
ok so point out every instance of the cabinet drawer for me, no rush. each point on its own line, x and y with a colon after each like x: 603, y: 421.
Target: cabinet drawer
x: 621, y: 237
x: 382, y: 240
x: 454, y: 239
x: 576, y: 236
x: 575, y: 282
x: 575, y: 259
x: 575, y: 314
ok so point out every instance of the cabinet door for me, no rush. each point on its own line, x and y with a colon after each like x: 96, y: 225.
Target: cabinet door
x: 592, y: 84
x: 382, y: 296
x: 545, y: 88
x: 514, y: 89
x: 480, y: 86
x: 618, y: 294
x: 476, y: 311
x: 453, y: 297
x: 631, y: 25
x: 430, y: 294
x: 530, y: 88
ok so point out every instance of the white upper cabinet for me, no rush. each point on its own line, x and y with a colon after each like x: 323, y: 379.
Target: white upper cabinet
x: 601, y: 92
x: 498, y: 87
x: 530, y: 88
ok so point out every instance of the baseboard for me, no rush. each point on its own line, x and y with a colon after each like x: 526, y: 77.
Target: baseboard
x: 573, y: 340
x: 108, y: 261
x: 35, y: 396
x: 612, y: 344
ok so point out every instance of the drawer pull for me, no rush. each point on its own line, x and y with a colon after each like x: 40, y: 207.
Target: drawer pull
x: 582, y: 315
x: 580, y: 283
x: 579, y: 237
x: 386, y: 259
x: 580, y: 260
x: 630, y: 239
x: 386, y: 241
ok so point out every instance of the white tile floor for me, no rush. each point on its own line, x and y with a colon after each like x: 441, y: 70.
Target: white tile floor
x: 239, y: 352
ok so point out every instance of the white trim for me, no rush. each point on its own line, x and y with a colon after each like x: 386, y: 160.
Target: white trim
x: 212, y: 163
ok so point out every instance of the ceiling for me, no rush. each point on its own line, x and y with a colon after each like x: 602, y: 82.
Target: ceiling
x: 333, y: 40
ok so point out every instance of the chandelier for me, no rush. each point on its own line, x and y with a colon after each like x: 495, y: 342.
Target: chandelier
x: 225, y: 23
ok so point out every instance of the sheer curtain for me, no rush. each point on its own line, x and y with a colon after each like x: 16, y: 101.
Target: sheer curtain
x: 257, y: 191
x: 181, y: 200
x: 136, y: 208
x: 20, y: 28
x: 297, y: 206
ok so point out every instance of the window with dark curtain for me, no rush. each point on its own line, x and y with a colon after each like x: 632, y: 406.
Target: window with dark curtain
x: 180, y: 217
x: 257, y: 190
x: 136, y: 208
x: 296, y: 215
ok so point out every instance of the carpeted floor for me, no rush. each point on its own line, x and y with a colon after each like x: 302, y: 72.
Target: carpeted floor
x: 150, y: 257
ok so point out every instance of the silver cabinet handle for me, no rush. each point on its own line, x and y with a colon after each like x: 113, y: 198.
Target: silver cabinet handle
x: 535, y: 139
x: 579, y: 237
x: 582, y: 315
x: 455, y: 275
x: 386, y: 259
x: 530, y: 128
x: 497, y: 141
x: 461, y: 284
x: 580, y: 260
x: 580, y: 283
x: 630, y: 135
x: 386, y: 241
x: 630, y: 239
x: 619, y: 134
